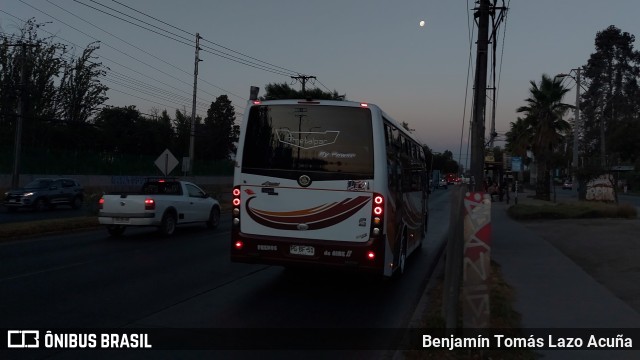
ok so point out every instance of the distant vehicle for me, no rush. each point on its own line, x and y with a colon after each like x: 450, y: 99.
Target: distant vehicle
x: 45, y: 193
x: 451, y: 178
x: 443, y: 184
x: 435, y: 177
x: 163, y: 203
x: 331, y: 184
x: 567, y: 185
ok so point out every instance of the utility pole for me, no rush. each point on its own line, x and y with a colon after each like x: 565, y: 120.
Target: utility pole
x: 15, y: 176
x: 193, y: 105
x: 303, y: 80
x: 494, y: 41
x: 480, y: 96
x: 603, y: 154
x: 574, y: 160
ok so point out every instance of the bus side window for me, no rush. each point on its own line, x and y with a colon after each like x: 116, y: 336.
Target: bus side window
x: 387, y: 135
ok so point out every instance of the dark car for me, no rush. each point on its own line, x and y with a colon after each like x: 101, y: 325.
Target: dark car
x: 567, y: 185
x: 45, y: 193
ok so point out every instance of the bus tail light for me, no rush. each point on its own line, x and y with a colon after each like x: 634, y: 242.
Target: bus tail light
x: 149, y: 204
x: 238, y: 245
x: 377, y: 215
x: 371, y: 255
x: 235, y: 211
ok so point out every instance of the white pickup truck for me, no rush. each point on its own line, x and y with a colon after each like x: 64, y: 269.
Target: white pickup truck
x: 163, y: 203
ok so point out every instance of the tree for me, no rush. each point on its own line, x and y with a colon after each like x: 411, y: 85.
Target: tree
x: 40, y: 62
x: 80, y: 89
x: 182, y: 126
x: 220, y: 129
x: 544, y: 112
x: 58, y: 95
x: 121, y: 130
x: 519, y: 138
x: 284, y: 91
x: 611, y: 105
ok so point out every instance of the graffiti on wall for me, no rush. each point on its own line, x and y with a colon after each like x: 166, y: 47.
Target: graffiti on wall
x: 600, y: 189
x: 477, y: 260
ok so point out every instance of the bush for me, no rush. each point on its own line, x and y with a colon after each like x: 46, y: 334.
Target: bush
x: 581, y: 210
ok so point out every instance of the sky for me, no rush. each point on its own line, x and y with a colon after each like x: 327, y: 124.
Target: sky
x: 371, y: 50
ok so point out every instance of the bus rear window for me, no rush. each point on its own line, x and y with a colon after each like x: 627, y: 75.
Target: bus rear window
x: 332, y: 140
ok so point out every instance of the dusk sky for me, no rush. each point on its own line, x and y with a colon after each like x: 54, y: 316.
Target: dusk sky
x: 371, y: 50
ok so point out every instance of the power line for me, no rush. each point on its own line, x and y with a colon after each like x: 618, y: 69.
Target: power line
x: 211, y: 50
x: 113, y: 61
x: 188, y: 41
x: 470, y: 30
x: 149, y: 16
x: 128, y: 55
x: 155, y: 57
x: 209, y: 41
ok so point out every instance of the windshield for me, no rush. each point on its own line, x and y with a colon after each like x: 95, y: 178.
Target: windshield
x: 39, y: 184
x: 333, y: 142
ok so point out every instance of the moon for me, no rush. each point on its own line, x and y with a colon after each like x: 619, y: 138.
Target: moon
x: 422, y: 23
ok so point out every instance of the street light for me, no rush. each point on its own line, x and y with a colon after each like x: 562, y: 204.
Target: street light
x: 574, y: 160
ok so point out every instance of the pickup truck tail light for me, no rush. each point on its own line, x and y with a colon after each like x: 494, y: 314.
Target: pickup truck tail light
x: 149, y: 204
x: 100, y: 203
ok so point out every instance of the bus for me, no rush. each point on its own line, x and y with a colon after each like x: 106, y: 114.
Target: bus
x: 324, y: 183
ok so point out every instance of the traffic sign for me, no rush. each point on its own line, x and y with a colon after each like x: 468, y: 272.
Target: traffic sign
x: 516, y: 163
x: 166, y: 162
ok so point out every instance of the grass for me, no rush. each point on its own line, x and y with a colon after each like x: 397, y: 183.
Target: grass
x: 574, y: 210
x: 15, y: 231
x: 21, y: 230
x: 502, y: 316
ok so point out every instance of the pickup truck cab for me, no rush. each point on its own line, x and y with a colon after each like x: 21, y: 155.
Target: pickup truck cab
x: 161, y: 203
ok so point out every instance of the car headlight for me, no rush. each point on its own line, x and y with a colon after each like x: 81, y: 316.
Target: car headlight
x: 28, y: 194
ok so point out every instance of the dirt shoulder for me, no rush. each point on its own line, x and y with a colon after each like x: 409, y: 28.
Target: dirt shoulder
x: 607, y: 249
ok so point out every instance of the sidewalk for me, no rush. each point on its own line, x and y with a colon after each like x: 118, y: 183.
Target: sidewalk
x: 552, y: 291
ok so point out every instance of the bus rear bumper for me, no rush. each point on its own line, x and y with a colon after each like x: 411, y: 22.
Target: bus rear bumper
x: 365, y: 257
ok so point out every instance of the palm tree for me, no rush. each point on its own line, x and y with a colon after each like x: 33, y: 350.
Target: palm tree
x: 543, y: 113
x: 519, y: 137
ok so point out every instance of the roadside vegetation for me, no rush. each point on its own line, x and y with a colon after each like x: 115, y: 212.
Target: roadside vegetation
x: 503, y: 317
x: 574, y: 210
x: 21, y: 230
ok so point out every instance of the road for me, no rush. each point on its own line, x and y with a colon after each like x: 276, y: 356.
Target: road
x: 89, y: 280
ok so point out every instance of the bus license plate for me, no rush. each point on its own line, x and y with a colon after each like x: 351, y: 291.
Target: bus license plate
x: 302, y: 250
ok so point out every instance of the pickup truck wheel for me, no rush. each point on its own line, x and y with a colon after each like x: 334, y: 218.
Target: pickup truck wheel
x: 115, y: 230
x: 214, y: 218
x: 168, y: 225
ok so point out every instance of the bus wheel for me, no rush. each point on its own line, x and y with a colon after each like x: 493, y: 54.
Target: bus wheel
x: 402, y: 260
